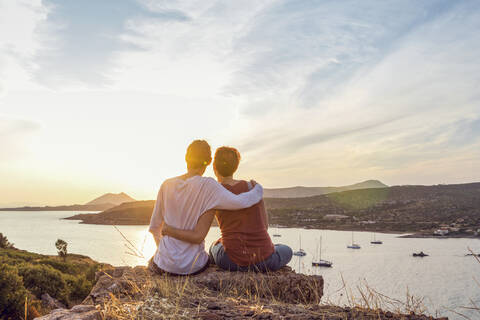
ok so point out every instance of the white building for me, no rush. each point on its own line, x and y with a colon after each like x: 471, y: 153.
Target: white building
x: 440, y: 232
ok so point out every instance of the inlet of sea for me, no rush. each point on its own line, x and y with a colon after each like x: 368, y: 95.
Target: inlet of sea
x: 444, y: 283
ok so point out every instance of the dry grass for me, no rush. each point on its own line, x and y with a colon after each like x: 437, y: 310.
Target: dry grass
x: 474, y: 308
x: 364, y: 297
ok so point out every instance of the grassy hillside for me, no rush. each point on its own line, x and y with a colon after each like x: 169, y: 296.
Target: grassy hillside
x: 302, y: 192
x: 401, y: 208
x: 27, y: 276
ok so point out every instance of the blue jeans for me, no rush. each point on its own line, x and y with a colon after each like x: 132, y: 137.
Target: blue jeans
x: 279, y: 258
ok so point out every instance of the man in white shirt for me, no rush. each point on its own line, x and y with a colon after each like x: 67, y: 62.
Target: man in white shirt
x: 181, y: 201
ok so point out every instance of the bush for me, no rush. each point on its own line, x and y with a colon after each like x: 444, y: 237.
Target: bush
x: 4, y: 243
x: 61, y: 246
x: 12, y: 293
x: 79, y: 287
x: 63, y: 267
x: 66, y: 281
x: 40, y: 279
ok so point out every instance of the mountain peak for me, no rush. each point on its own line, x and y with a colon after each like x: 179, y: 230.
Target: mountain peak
x: 112, y: 198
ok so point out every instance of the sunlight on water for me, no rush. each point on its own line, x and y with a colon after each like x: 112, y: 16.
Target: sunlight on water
x: 445, y: 279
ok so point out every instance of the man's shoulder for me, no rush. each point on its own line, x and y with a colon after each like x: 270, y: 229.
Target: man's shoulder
x: 208, y: 181
x: 169, y: 182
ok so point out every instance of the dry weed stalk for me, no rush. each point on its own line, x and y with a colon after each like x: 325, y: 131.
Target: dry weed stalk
x: 474, y: 308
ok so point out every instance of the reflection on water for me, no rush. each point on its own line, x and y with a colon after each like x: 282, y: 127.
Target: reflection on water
x: 445, y: 278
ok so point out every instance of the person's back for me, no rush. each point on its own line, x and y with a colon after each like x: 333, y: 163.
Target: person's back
x: 184, y: 201
x: 244, y: 234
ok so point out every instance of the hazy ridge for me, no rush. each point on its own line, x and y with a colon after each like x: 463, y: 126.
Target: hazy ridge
x: 301, y: 192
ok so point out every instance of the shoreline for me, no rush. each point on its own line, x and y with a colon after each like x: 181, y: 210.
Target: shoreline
x: 400, y: 234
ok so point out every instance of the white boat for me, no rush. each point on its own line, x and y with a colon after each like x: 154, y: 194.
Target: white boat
x: 300, y: 252
x: 353, y: 245
x: 320, y: 262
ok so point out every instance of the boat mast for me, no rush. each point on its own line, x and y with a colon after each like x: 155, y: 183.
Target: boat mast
x: 320, y: 252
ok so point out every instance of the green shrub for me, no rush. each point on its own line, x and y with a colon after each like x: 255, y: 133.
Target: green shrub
x: 12, y: 293
x: 19, y: 255
x: 67, y: 281
x: 78, y: 286
x: 61, y: 266
x: 4, y: 243
x: 61, y: 246
x: 40, y: 279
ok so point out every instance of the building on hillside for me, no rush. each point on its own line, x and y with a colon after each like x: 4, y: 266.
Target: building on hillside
x: 335, y: 217
x: 441, y: 232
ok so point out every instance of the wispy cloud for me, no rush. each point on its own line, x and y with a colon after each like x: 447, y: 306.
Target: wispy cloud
x: 14, y: 137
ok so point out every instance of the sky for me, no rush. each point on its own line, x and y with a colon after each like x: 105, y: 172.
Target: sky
x: 105, y: 96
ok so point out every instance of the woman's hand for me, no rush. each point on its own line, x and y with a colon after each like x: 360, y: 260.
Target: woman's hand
x: 166, y: 229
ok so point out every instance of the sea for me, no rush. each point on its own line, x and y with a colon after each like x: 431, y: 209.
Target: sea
x: 446, y: 283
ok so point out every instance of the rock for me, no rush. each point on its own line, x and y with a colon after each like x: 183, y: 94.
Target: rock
x: 80, y: 312
x: 51, y: 303
x: 284, y: 285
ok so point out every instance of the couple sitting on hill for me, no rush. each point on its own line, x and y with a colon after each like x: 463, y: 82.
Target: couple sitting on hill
x: 186, y: 206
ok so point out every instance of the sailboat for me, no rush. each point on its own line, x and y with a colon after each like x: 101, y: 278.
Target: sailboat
x: 300, y: 252
x: 375, y: 241
x: 353, y: 245
x: 320, y: 262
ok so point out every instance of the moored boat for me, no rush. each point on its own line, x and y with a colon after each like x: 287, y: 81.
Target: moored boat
x: 420, y: 254
x: 353, y: 245
x: 300, y: 252
x: 320, y: 262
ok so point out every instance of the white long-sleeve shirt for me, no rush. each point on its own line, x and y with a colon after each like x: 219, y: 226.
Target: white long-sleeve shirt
x: 180, y: 203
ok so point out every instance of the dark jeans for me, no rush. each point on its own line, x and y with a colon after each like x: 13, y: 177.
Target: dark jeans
x: 279, y: 258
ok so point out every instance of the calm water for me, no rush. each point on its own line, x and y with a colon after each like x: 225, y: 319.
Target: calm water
x: 445, y: 279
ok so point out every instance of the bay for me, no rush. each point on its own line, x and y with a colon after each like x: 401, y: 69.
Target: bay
x: 446, y: 280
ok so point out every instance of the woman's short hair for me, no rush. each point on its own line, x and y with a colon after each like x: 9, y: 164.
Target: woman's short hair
x: 198, y: 154
x: 226, y: 161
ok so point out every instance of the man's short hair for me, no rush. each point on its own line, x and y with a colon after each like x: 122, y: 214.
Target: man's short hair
x: 226, y: 161
x: 198, y: 154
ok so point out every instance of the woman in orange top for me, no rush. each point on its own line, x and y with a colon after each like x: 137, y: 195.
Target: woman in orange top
x: 245, y: 243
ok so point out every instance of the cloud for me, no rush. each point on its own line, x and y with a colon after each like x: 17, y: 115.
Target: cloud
x: 20, y: 41
x: 15, y: 136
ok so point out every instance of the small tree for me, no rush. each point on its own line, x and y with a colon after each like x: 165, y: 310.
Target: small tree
x: 4, y: 243
x: 61, y: 246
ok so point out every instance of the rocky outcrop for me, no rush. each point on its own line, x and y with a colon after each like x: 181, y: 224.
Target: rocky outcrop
x: 130, y: 284
x: 50, y: 302
x: 80, y: 312
x: 136, y: 293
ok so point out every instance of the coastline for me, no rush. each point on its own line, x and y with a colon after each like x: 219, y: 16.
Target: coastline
x: 94, y: 219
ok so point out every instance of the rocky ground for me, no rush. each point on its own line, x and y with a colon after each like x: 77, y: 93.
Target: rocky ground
x: 135, y: 293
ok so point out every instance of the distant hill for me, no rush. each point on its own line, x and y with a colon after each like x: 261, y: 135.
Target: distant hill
x: 129, y: 213
x: 114, y: 199
x: 301, y: 192
x: 102, y: 203
x: 74, y: 207
x: 392, y: 209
